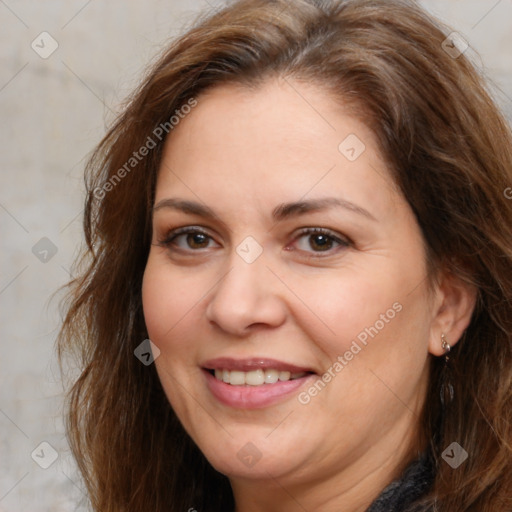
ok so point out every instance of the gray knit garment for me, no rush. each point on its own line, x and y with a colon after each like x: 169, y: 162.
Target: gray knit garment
x: 400, y: 495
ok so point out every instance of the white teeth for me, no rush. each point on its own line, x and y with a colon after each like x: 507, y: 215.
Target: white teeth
x: 284, y: 375
x: 255, y: 377
x: 237, y: 378
x: 271, y: 376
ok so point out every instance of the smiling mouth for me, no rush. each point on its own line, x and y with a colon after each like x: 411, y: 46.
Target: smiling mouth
x: 257, y: 377
x: 255, y: 382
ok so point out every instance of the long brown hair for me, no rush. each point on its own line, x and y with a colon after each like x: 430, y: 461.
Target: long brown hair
x: 449, y: 151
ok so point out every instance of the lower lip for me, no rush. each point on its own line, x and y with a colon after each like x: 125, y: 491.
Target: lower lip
x: 252, y: 397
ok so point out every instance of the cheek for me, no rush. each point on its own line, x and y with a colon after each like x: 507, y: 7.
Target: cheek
x: 374, y: 351
x: 362, y: 308
x: 166, y: 302
x: 168, y: 307
x: 343, y: 304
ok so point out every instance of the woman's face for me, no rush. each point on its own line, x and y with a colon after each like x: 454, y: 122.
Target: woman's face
x: 248, y: 293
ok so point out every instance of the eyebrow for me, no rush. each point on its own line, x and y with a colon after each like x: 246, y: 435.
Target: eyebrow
x: 279, y: 213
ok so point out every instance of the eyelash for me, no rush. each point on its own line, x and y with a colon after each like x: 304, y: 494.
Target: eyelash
x: 168, y: 241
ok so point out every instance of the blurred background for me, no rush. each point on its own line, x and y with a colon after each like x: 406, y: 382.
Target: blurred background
x: 65, y: 67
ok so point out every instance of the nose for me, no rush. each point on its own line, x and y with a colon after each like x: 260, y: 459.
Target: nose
x: 247, y: 298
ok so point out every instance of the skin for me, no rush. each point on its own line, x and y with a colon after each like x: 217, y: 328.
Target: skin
x: 242, y: 153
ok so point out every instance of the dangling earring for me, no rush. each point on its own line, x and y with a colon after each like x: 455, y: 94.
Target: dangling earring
x: 446, y: 390
x: 446, y: 347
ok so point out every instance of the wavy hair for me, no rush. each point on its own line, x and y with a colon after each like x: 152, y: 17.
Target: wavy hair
x: 449, y: 151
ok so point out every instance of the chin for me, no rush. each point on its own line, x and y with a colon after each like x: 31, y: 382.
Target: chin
x: 239, y: 457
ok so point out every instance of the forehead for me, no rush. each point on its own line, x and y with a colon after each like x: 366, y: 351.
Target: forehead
x: 286, y: 138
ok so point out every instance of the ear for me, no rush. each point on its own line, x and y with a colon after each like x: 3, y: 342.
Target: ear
x: 454, y: 304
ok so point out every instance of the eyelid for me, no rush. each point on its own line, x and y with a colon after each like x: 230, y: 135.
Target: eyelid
x: 325, y: 231
x: 341, y: 240
x: 185, y: 230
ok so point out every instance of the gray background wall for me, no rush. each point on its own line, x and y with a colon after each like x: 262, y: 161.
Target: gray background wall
x: 53, y: 111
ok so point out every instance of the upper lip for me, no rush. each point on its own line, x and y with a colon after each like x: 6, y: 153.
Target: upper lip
x: 253, y: 363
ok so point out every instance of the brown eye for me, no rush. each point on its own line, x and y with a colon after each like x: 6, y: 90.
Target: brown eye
x: 320, y: 240
x: 187, y: 239
x: 323, y: 242
x: 196, y: 240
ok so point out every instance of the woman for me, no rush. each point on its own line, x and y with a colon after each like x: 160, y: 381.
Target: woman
x: 304, y: 208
